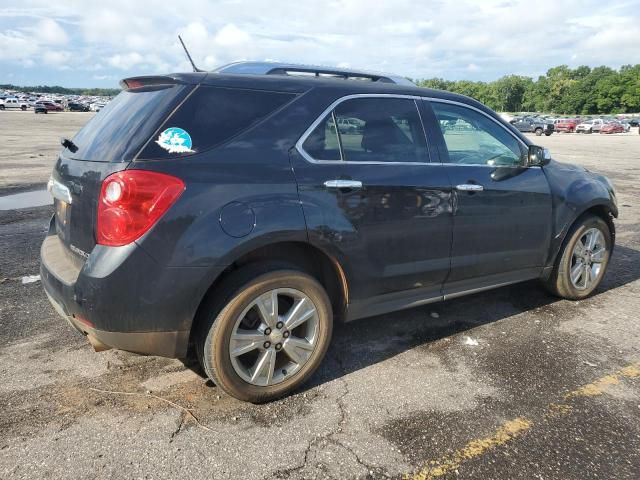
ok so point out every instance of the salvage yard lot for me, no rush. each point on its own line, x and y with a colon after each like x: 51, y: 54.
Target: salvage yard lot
x: 511, y: 383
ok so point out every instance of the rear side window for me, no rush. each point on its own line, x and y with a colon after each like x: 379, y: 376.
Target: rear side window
x: 213, y: 115
x: 120, y: 129
x: 370, y: 130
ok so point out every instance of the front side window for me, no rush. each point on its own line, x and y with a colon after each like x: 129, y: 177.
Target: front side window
x: 474, y: 139
x: 370, y: 130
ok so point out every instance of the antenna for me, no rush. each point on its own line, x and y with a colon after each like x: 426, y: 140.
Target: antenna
x: 195, y: 69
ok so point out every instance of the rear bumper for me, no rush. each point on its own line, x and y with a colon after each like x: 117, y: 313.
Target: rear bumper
x: 164, y: 344
x: 121, y: 298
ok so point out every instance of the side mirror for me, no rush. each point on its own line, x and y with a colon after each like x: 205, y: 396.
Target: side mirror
x: 538, y: 156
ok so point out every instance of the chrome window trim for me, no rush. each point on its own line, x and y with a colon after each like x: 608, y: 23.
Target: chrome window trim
x: 338, y: 137
x: 415, y: 98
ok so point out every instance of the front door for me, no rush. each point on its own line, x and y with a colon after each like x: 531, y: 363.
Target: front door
x: 372, y: 199
x: 502, y: 209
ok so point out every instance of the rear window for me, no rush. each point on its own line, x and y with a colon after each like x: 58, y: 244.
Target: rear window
x: 123, y: 126
x: 210, y: 117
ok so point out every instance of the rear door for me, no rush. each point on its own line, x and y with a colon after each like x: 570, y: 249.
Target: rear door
x: 502, y: 209
x: 372, y: 198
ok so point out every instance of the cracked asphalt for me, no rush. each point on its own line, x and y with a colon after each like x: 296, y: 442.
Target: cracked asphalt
x: 551, y: 390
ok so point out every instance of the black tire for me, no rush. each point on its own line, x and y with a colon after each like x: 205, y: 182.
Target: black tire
x: 559, y: 283
x: 217, y: 320
x: 23, y: 108
x: 548, y: 134
x: 46, y: 111
x: 538, y: 131
x: 1, y: 107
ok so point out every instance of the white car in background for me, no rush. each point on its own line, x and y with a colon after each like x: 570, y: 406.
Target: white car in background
x: 12, y: 103
x: 590, y: 126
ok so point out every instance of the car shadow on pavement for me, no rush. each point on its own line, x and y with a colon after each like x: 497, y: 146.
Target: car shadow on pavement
x: 368, y: 341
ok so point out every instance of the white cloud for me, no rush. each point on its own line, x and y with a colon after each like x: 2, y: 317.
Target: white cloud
x: 49, y: 32
x: 16, y: 46
x: 56, y: 58
x: 462, y: 39
x: 231, y: 36
x: 125, y: 61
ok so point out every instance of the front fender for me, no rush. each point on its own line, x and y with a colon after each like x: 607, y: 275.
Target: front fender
x: 575, y: 191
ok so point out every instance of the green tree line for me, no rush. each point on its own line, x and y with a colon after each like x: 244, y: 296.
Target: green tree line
x: 101, y: 92
x: 564, y: 90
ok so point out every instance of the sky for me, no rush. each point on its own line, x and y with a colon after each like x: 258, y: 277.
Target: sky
x: 88, y: 43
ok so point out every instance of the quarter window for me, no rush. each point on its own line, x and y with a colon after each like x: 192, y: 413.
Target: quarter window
x: 214, y: 115
x: 474, y: 139
x: 370, y: 130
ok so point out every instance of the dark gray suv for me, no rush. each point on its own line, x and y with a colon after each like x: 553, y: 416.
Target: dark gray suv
x: 533, y: 125
x: 225, y: 212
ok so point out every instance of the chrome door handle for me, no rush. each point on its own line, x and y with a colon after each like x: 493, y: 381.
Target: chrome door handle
x: 469, y: 187
x: 343, y: 184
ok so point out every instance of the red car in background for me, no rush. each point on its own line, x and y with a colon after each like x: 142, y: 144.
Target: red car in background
x: 46, y: 106
x: 567, y: 125
x: 613, y: 127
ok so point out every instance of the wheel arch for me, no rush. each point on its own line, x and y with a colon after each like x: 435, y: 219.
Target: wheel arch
x: 321, y: 265
x: 602, y: 210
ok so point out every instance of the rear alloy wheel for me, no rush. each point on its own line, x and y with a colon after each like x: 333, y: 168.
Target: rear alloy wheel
x: 583, y: 259
x: 270, y: 336
x: 538, y: 132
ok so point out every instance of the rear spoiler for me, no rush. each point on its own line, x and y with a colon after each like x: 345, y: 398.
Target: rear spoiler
x: 147, y: 81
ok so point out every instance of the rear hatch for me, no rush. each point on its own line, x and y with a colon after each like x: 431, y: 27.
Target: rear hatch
x: 107, y: 144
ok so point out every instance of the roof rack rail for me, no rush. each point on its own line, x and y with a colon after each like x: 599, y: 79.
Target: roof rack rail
x: 290, y: 69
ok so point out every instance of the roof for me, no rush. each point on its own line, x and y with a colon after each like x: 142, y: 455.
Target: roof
x: 291, y: 69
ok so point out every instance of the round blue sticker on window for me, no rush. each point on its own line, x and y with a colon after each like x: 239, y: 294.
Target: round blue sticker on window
x: 175, y: 140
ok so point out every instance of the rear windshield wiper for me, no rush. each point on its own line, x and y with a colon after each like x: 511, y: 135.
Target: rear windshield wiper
x: 66, y: 143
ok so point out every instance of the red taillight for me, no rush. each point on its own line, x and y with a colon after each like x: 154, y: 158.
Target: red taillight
x: 130, y: 203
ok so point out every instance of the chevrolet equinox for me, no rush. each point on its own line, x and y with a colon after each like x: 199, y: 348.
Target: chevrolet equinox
x: 225, y: 211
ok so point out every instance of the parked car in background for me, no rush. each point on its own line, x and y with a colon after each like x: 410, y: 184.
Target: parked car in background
x: 46, y: 107
x: 612, y: 127
x: 566, y: 125
x: 626, y: 125
x: 590, y: 126
x: 77, y: 107
x: 222, y: 211
x: 532, y: 125
x: 12, y: 103
x: 96, y: 107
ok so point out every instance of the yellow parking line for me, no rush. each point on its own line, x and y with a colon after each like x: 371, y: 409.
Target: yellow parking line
x: 514, y: 428
x: 474, y: 448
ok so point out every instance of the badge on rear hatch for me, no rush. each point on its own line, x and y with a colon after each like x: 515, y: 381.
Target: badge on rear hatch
x: 175, y: 140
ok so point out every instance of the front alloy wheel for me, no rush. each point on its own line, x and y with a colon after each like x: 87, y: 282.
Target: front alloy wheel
x: 582, y: 260
x: 586, y: 260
